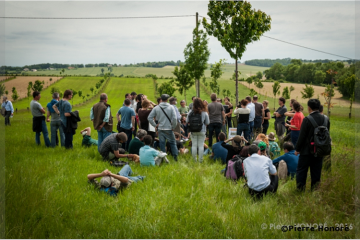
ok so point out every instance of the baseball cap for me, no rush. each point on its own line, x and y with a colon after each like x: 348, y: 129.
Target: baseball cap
x: 105, y: 181
x: 164, y: 97
x: 262, y: 146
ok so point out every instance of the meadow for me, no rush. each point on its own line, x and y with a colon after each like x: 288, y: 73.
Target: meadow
x: 47, y: 194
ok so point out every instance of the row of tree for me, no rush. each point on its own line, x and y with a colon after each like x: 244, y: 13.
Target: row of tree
x: 154, y: 64
x: 287, y: 61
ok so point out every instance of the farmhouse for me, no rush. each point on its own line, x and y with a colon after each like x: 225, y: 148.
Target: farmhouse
x: 26, y: 69
x: 109, y: 65
x: 70, y: 68
x: 34, y: 70
x: 50, y: 69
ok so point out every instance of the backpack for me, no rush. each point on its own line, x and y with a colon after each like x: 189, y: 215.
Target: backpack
x: 195, y: 124
x: 274, y: 149
x: 118, y: 163
x: 110, y: 190
x: 321, y: 141
x: 282, y: 170
x: 235, y: 168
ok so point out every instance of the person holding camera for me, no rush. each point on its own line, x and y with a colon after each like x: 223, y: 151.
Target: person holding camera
x: 279, y: 116
x: 243, y: 114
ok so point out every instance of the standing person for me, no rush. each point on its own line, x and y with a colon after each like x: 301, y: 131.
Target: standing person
x: 184, y: 110
x: 143, y: 114
x: 280, y: 119
x: 197, y: 120
x: 259, y: 116
x: 39, y: 124
x: 133, y: 98
x: 166, y: 116
x: 127, y: 121
x: 55, y: 123
x: 223, y: 119
x: 303, y: 147
x: 191, y: 104
x: 295, y: 123
x: 9, y: 110
x: 128, y: 96
x: 63, y: 108
x: 173, y: 103
x: 251, y: 106
x: 267, y: 116
x: 216, y: 113
x: 228, y: 112
x: 100, y: 114
x: 243, y: 115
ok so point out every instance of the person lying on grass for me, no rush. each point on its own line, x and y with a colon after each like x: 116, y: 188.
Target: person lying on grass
x: 87, y: 140
x: 149, y: 156
x: 110, y: 148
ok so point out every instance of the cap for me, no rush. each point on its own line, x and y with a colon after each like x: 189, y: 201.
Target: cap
x: 164, y: 97
x: 262, y: 146
x: 271, y: 136
x: 105, y: 181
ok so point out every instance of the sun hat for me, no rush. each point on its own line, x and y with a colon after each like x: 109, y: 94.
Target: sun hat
x: 105, y: 181
x: 271, y: 136
x: 236, y: 141
x: 262, y: 146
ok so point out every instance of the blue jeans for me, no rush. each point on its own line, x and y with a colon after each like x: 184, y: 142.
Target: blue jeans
x: 294, y: 137
x: 68, y: 137
x: 54, y: 126
x: 102, y: 134
x: 127, y: 172
x: 170, y: 137
x: 128, y: 133
x: 217, y: 127
x: 45, y: 134
x: 243, y: 127
x: 251, y: 124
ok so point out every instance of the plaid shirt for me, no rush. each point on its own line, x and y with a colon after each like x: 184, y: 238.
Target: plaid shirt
x: 110, y: 144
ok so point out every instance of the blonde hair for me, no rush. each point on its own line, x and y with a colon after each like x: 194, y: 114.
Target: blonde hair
x: 264, y: 138
x: 145, y: 103
x: 267, y: 102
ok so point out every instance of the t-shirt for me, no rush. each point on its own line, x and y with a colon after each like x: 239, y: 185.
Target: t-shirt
x: 227, y: 110
x: 251, y: 106
x: 126, y: 114
x: 258, y: 109
x: 35, y: 108
x: 297, y: 121
x: 143, y: 115
x: 266, y: 121
x: 219, y: 151
x: 231, y: 151
x: 281, y: 110
x: 184, y: 110
x: 135, y: 146
x: 110, y: 144
x: 147, y: 156
x: 215, y: 112
x: 291, y: 161
x: 88, y: 141
x: 257, y: 169
x: 64, y: 107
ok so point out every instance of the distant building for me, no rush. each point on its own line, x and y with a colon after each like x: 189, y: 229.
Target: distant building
x: 70, y: 68
x: 50, y: 69
x: 26, y: 69
x: 109, y: 65
x: 34, y: 70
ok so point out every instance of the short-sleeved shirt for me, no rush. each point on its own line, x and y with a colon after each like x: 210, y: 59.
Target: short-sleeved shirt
x: 258, y: 109
x: 227, y: 110
x: 257, y: 169
x: 215, y: 112
x: 184, y: 110
x: 219, y: 151
x: 147, y: 156
x: 64, y: 107
x: 266, y: 121
x: 126, y: 114
x: 88, y: 141
x: 281, y: 110
x: 110, y: 144
x: 35, y: 108
x: 190, y: 106
x: 143, y: 115
x: 251, y: 106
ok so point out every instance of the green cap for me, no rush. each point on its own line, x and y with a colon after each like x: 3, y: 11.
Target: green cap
x: 262, y: 146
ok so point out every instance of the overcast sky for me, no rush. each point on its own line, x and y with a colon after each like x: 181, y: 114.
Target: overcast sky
x: 326, y: 26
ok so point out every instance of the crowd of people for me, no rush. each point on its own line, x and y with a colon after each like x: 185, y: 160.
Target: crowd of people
x: 148, y: 132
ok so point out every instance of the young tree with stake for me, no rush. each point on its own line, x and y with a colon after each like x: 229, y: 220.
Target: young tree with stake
x: 276, y: 90
x: 183, y: 79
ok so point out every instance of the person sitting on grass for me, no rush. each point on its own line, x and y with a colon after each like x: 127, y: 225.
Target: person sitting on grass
x: 179, y: 145
x: 137, y: 142
x: 263, y: 138
x: 263, y: 148
x: 257, y: 169
x: 87, y: 140
x: 149, y: 156
x: 110, y: 148
x: 274, y: 147
x: 289, y: 158
x: 235, y: 147
x: 218, y: 151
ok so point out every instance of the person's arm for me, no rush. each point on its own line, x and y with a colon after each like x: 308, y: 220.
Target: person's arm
x: 207, y: 119
x: 133, y: 123
x: 223, y: 114
x: 88, y: 129
x: 267, y: 117
x: 272, y: 169
x: 92, y: 176
x: 276, y: 160
x: 230, y: 113
x: 67, y: 110
x: 56, y: 109
x: 302, y: 136
x: 118, y: 116
x: 289, y: 114
x: 237, y: 111
x: 48, y: 115
x: 120, y: 178
x: 228, y: 140
x: 11, y: 108
x: 187, y: 117
x: 263, y: 114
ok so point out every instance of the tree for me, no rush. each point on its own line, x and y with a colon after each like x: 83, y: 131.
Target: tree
x: 50, y: 79
x: 63, y: 70
x: 350, y: 84
x: 2, y: 89
x: 319, y: 76
x: 183, y: 79
x: 102, y: 70
x: 167, y: 87
x: 259, y: 85
x: 259, y: 75
x: 92, y: 90
x: 291, y: 89
x: 37, y: 86
x: 204, y: 81
x: 29, y: 90
x: 74, y: 94
x: 54, y: 90
x: 98, y: 85
x: 15, y: 95
x: 252, y: 92
x: 226, y: 92
x: 249, y: 80
x: 236, y: 25
x: 328, y: 94
x: 286, y: 93
x: 276, y: 90
x: 308, y: 92
x: 216, y: 73
x: 6, y: 92
x: 196, y: 55
x: 332, y: 74
x: 80, y: 93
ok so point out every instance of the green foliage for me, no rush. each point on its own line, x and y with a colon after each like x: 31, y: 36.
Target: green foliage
x: 249, y: 80
x: 308, y: 91
x: 183, y: 79
x: 204, y: 81
x: 286, y: 93
x: 15, y: 95
x: 98, y: 85
x: 2, y: 89
x: 91, y: 89
x: 276, y: 90
x: 37, y: 86
x: 226, y: 93
x: 102, y: 70
x: 319, y: 76
x: 259, y: 75
x: 252, y: 92
x: 54, y: 89
x: 80, y: 93
x: 216, y: 73
x: 275, y: 72
x: 259, y: 85
x: 350, y: 83
x: 6, y: 92
x: 167, y: 88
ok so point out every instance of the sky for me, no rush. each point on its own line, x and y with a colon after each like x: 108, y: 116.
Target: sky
x: 324, y: 25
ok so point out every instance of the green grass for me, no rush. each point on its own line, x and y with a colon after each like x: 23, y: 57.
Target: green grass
x: 47, y: 194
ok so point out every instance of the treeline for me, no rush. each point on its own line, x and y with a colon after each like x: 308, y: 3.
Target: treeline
x: 287, y: 61
x: 154, y: 64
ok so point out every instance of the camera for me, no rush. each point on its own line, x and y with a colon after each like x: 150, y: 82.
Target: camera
x: 273, y: 117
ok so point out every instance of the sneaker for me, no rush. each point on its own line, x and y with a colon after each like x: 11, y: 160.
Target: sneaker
x: 166, y: 160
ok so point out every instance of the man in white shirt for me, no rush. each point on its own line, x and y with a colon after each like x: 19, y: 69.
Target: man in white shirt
x: 251, y: 106
x: 257, y: 169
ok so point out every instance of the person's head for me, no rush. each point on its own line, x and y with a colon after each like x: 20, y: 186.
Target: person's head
x: 172, y: 100
x: 296, y: 106
x: 243, y: 103
x: 244, y: 152
x: 138, y: 98
x: 4, y: 98
x: 127, y: 102
x: 133, y: 95
x: 313, y: 105
x: 183, y: 119
x: 103, y: 97
x: 205, y: 102
x: 68, y: 94
x: 265, y: 103
x: 271, y: 136
x: 145, y: 104
x: 177, y: 136
x: 106, y: 182
x: 282, y: 101
x: 248, y: 99
x: 182, y: 103
x: 148, y: 140
x: 198, y: 106
x: 255, y: 98
x: 253, y: 149
x: 288, y: 146
x: 36, y: 95
x: 164, y: 97
x: 291, y: 102
x: 192, y: 99
x: 222, y: 136
x: 121, y: 137
x: 127, y: 95
x: 262, y: 146
x: 213, y: 97
x: 158, y: 100
x: 141, y: 133
x: 219, y: 100
x: 226, y: 100
x: 236, y: 143
x: 56, y: 96
x: 321, y: 109
x: 262, y: 137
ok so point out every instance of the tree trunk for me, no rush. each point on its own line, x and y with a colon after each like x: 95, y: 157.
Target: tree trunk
x: 237, y: 84
x: 185, y: 96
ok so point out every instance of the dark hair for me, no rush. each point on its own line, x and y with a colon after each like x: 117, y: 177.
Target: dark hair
x: 213, y: 97
x: 67, y: 93
x: 222, y: 136
x: 35, y: 94
x: 126, y: 95
x: 198, y: 106
x: 193, y: 98
x: 292, y: 101
x: 148, y: 140
x: 103, y: 96
x: 139, y: 96
x: 244, y: 152
x: 177, y: 135
x: 255, y: 97
x: 321, y: 108
x: 121, y: 137
x: 158, y: 100
x: 243, y: 102
x: 248, y: 98
x: 314, y: 104
x: 288, y: 146
x: 253, y: 149
x: 296, y: 106
x: 133, y: 93
x: 282, y: 99
x: 127, y: 102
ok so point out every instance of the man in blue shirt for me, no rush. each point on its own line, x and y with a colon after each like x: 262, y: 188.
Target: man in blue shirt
x: 290, y: 158
x: 9, y: 110
x: 219, y: 152
x: 127, y: 121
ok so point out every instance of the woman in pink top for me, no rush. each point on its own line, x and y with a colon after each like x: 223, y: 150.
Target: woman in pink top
x: 295, y: 123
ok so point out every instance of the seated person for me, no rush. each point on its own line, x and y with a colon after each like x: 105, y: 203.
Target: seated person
x: 273, y: 146
x: 262, y: 137
x: 263, y: 149
x: 257, y: 169
x: 149, y: 156
x: 290, y: 159
x: 137, y: 142
x: 179, y: 145
x: 218, y: 151
x: 87, y: 140
x: 184, y: 128
x: 235, y: 147
x: 109, y: 148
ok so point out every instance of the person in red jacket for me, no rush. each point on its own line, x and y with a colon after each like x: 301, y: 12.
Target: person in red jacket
x: 296, y: 121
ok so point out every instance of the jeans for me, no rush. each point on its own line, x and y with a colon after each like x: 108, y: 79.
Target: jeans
x: 274, y: 183
x: 315, y: 165
x: 68, y: 137
x: 223, y: 129
x: 102, y: 134
x: 229, y: 122
x: 54, y: 126
x: 198, y: 139
x: 7, y: 117
x: 243, y: 127
x: 217, y: 127
x: 265, y: 128
x: 251, y: 125
x: 294, y: 136
x: 170, y: 137
x: 127, y: 172
x: 128, y: 133
x: 45, y: 134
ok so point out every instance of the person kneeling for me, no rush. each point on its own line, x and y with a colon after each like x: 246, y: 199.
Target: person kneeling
x: 149, y: 156
x: 257, y: 169
x: 290, y: 159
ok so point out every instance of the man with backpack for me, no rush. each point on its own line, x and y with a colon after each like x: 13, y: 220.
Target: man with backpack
x: 313, y: 144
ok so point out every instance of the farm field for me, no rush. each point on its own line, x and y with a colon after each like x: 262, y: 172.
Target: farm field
x: 180, y: 200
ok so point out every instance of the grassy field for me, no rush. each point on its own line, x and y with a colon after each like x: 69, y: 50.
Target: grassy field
x: 47, y: 194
